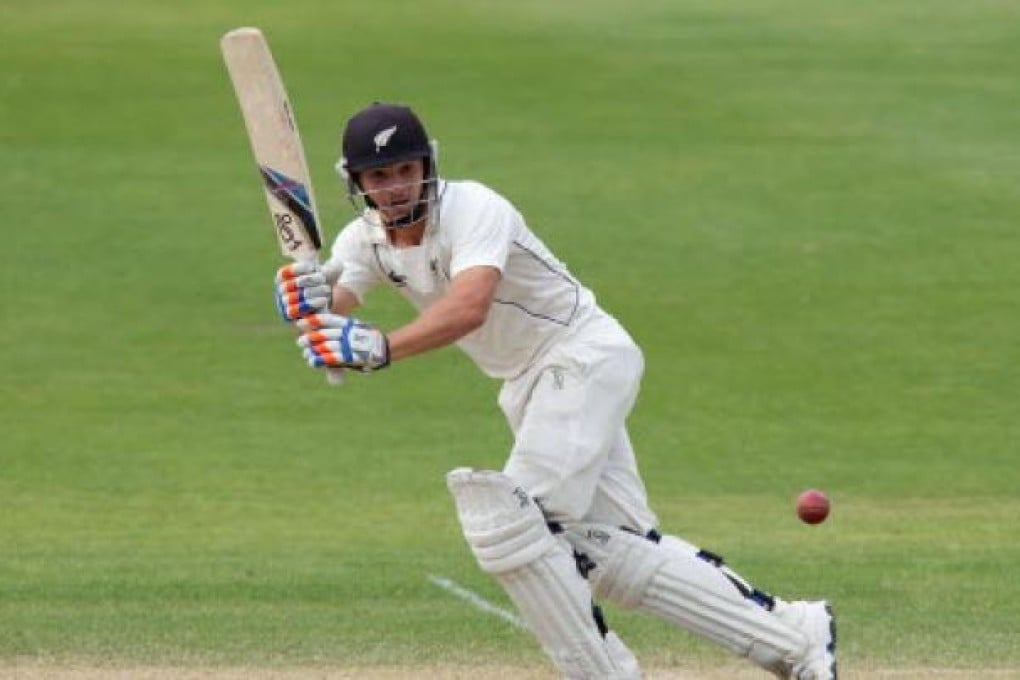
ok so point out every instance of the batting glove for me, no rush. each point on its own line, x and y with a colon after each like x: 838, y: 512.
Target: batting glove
x: 302, y: 288
x: 332, y: 340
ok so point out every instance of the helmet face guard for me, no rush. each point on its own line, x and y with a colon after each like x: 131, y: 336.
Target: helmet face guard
x: 380, y: 135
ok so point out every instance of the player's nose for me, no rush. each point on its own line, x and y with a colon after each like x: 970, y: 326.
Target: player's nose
x: 398, y: 193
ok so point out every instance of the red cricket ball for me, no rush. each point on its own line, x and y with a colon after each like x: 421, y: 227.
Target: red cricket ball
x: 812, y: 506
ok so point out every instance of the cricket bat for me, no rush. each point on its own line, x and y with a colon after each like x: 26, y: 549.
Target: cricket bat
x: 276, y: 144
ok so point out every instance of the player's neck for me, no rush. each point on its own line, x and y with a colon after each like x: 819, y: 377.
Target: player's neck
x: 409, y: 236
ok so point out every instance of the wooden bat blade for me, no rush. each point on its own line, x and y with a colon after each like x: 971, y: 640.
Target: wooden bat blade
x: 275, y: 141
x: 276, y: 144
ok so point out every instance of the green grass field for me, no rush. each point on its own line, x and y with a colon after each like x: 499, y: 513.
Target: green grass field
x: 807, y: 213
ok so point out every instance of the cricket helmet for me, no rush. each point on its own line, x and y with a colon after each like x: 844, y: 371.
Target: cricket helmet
x: 382, y: 134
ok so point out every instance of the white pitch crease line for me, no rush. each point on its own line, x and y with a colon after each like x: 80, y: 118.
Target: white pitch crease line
x: 478, y: 601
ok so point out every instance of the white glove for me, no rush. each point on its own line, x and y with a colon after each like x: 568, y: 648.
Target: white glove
x: 302, y: 288
x: 332, y: 340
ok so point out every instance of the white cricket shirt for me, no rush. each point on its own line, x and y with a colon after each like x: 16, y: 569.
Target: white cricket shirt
x: 537, y: 299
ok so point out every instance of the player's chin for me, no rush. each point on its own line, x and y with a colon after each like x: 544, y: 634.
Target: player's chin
x: 396, y: 213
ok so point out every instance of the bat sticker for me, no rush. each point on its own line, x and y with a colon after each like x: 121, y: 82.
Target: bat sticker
x: 294, y: 196
x: 287, y: 236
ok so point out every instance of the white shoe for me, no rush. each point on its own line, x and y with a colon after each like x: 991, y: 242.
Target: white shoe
x: 816, y: 621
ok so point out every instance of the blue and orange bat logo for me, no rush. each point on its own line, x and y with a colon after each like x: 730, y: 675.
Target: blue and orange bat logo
x: 294, y: 195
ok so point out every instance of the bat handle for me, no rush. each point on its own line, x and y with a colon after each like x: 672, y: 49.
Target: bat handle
x: 335, y: 376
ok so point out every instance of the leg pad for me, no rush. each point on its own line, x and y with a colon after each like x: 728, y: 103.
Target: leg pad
x: 508, y: 534
x: 668, y: 579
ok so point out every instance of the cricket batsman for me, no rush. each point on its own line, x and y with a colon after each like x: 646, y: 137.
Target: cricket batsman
x: 566, y: 522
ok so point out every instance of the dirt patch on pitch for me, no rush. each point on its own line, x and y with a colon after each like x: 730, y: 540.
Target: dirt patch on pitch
x: 43, y: 671
x: 48, y: 672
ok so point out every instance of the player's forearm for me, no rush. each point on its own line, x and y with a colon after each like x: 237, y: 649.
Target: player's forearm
x: 440, y: 325
x: 343, y: 301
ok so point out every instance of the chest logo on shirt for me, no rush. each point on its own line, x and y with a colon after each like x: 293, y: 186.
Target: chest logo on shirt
x: 383, y: 138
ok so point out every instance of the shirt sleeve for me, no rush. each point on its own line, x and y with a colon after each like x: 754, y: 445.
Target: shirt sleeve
x: 483, y: 238
x: 358, y: 271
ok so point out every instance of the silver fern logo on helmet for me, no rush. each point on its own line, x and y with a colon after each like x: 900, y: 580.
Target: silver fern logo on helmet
x: 383, y: 138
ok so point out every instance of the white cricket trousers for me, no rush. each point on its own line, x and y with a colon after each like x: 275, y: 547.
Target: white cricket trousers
x: 568, y: 414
